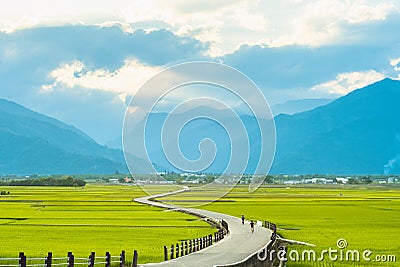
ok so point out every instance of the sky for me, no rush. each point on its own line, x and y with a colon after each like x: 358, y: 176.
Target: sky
x: 81, y: 61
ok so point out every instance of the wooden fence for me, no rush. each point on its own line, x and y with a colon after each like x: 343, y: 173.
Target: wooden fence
x: 175, y: 251
x: 69, y: 261
x: 272, y: 227
x: 197, y: 244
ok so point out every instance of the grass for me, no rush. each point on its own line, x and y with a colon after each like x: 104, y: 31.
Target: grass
x: 104, y: 218
x: 97, y: 218
x: 367, y: 217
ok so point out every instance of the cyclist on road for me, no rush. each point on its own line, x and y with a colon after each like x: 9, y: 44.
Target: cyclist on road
x: 252, y: 226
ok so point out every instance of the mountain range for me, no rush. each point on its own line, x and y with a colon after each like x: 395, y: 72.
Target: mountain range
x: 296, y: 106
x: 32, y: 143
x: 356, y: 134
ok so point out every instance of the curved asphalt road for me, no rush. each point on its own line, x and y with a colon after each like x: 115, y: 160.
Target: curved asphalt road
x: 236, y: 246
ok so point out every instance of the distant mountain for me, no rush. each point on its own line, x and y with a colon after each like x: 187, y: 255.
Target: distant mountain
x: 289, y: 107
x: 116, y: 143
x: 356, y: 134
x: 193, y: 133
x: 297, y: 106
x: 32, y: 143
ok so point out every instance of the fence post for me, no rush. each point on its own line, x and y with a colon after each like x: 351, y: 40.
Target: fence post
x: 182, y: 249
x: 224, y: 225
x: 177, y: 250
x: 186, y: 247
x: 273, y: 236
x: 165, y: 253
x: 108, y: 259
x: 71, y: 259
x: 190, y: 246
x: 91, y: 259
x: 22, y: 259
x: 122, y: 259
x: 48, y: 259
x: 135, y: 258
x: 211, y: 240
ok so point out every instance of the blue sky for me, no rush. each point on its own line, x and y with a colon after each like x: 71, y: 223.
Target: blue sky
x: 79, y: 61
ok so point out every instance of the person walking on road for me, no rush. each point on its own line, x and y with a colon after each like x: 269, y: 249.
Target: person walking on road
x: 252, y: 226
x: 243, y: 219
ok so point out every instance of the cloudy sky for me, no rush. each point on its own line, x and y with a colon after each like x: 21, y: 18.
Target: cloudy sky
x: 79, y: 60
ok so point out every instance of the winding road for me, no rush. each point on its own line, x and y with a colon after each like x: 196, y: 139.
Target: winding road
x: 236, y: 246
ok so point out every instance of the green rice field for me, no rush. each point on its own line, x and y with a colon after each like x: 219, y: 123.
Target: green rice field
x: 367, y: 217
x: 97, y: 218
x: 104, y: 218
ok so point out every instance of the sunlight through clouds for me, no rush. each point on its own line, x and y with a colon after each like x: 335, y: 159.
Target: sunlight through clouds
x: 218, y: 23
x: 395, y: 63
x: 321, y: 22
x: 347, y: 82
x: 126, y: 79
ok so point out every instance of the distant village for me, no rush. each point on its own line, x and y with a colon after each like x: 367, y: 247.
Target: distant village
x: 203, y: 178
x: 190, y: 178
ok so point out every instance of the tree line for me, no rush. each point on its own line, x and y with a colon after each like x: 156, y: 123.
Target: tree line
x: 47, y: 181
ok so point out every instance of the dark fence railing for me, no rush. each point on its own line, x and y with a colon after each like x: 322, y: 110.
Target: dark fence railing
x: 69, y: 261
x: 272, y: 227
x: 190, y: 246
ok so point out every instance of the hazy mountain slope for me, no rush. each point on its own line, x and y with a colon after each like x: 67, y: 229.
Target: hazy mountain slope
x: 354, y: 134
x: 34, y: 143
x: 297, y: 106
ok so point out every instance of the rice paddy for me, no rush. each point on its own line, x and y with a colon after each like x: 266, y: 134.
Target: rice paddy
x: 99, y: 218
x: 104, y: 218
x: 368, y: 218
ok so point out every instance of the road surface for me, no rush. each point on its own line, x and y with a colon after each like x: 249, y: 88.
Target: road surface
x: 236, y: 246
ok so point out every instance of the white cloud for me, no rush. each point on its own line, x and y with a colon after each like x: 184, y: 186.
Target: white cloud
x: 321, y: 22
x: 211, y: 21
x: 125, y: 80
x: 395, y: 63
x: 347, y: 82
x: 125, y: 27
x: 224, y: 24
x: 218, y: 23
